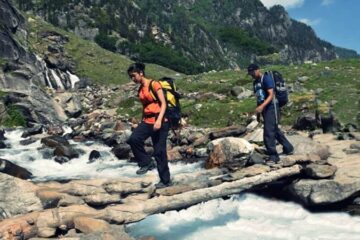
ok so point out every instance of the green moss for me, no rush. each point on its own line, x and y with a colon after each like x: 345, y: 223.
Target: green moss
x: 14, y: 118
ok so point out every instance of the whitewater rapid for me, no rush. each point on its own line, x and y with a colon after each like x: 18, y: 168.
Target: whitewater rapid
x: 40, y: 161
x: 249, y: 217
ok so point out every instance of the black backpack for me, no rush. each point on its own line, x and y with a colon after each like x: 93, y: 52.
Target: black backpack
x: 172, y: 97
x: 281, y: 90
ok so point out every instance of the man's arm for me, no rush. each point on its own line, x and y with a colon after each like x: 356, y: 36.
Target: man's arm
x: 269, y: 98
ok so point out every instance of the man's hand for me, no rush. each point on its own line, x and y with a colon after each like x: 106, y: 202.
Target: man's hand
x: 259, y: 109
x: 157, y: 125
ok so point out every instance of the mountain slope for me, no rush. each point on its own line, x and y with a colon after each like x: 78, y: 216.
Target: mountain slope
x: 188, y: 36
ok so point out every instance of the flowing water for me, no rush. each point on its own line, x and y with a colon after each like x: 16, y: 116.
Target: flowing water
x: 40, y: 161
x: 246, y: 216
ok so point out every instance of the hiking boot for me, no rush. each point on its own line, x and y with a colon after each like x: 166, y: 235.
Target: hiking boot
x: 160, y: 185
x: 291, y: 152
x: 273, y: 158
x: 145, y: 169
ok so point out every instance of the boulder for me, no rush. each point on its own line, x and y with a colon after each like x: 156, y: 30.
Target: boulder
x: 94, y: 155
x: 18, y: 196
x: 230, y: 152
x: 317, y: 171
x: 32, y: 131
x: 27, y: 141
x: 66, y: 151
x: 306, y: 122
x: 54, y: 141
x: 323, y: 192
x: 14, y: 170
x: 121, y: 151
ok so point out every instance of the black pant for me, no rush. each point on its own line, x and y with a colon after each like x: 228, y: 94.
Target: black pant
x: 137, y: 139
x: 272, y: 132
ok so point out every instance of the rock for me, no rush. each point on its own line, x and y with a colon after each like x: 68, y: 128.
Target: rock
x: 323, y: 192
x: 355, y: 146
x: 93, y: 156
x: 18, y: 196
x: 14, y: 170
x: 32, y: 131
x: 304, y: 145
x: 89, y: 225
x: 256, y: 158
x: 27, y: 141
x: 54, y: 141
x: 2, y: 134
x: 174, y: 154
x: 250, y: 171
x: 201, y: 153
x: 229, y: 151
x: 303, y: 79
x: 306, y: 122
x: 121, y: 151
x: 2, y: 145
x: 61, y: 159
x: 256, y: 136
x: 320, y: 171
x: 232, y: 131
x: 55, y: 130
x: 66, y: 151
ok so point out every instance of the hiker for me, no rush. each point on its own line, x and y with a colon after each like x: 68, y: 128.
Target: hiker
x: 153, y: 125
x: 267, y: 105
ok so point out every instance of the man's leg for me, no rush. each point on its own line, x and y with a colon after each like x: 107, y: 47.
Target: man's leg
x: 270, y: 131
x: 159, y: 141
x: 136, y: 141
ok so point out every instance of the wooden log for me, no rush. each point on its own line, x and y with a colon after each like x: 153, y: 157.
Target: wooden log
x: 45, y: 223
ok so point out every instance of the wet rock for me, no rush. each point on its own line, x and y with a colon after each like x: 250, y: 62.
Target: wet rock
x: 121, y: 151
x: 54, y: 141
x: 93, y: 156
x: 2, y: 145
x: 2, y: 134
x: 32, y: 131
x: 61, y: 159
x: 66, y: 151
x: 14, y: 170
x: 47, y: 153
x: 28, y: 141
x: 317, y: 171
x: 55, y: 130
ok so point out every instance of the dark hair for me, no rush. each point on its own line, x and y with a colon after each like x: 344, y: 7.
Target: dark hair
x: 136, y: 67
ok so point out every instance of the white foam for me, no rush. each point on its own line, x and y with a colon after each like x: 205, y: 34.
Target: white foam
x: 108, y: 166
x: 248, y: 217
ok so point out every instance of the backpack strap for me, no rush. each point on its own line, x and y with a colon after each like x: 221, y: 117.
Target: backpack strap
x: 152, y: 92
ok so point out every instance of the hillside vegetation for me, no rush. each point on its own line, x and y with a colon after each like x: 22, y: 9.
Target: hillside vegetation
x: 91, y: 61
x: 334, y: 82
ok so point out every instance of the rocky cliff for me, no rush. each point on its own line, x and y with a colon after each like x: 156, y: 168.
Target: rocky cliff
x: 26, y: 86
x: 186, y: 35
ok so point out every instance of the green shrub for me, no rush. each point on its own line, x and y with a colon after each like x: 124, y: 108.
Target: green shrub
x: 14, y: 118
x: 163, y: 55
x: 240, y: 38
x: 105, y: 41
